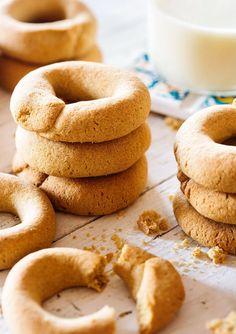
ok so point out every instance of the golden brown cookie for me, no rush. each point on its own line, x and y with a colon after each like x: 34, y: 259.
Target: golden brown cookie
x: 199, y: 152
x: 203, y: 230
x: 215, y: 205
x: 43, y: 274
x: 13, y: 70
x: 88, y: 196
x: 82, y: 160
x: 155, y: 285
x: 38, y: 222
x: 80, y: 102
x: 46, y: 31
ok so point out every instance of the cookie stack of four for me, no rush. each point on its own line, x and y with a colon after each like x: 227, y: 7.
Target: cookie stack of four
x: 82, y: 135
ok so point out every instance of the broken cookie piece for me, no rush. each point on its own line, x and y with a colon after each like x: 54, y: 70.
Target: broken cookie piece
x: 154, y: 284
x: 223, y: 326
x: 217, y: 255
x: 151, y: 222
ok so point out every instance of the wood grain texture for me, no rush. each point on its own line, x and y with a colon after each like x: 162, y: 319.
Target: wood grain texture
x: 210, y: 289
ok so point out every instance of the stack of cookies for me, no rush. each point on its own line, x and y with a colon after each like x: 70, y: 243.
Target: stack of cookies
x: 36, y: 33
x: 206, y: 156
x: 82, y: 135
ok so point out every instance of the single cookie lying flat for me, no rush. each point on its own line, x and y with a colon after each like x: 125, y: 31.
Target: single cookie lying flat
x: 88, y: 196
x: 215, y: 205
x: 13, y: 70
x: 43, y: 274
x: 205, y: 231
x: 38, y: 222
x: 75, y: 160
x: 154, y: 284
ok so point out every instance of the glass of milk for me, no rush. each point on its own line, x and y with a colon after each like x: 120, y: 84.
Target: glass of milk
x: 192, y: 43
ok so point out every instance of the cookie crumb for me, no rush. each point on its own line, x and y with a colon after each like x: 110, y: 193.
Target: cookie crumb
x: 217, y: 255
x: 223, y: 326
x: 91, y: 249
x: 183, y: 244
x: 109, y: 257
x: 173, y: 123
x: 151, y: 222
x: 197, y: 252
x: 171, y: 197
x: 118, y: 241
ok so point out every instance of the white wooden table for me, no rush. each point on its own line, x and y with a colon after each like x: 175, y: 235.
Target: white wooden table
x: 210, y: 289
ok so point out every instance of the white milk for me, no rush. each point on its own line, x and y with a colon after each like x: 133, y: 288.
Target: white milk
x: 192, y: 43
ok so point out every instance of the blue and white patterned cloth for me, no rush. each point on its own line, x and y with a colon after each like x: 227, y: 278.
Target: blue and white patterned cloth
x: 168, y: 99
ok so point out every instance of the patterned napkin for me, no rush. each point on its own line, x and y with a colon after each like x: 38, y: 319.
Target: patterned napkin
x: 170, y: 100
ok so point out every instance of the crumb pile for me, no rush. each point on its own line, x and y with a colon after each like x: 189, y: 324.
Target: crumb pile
x: 151, y: 222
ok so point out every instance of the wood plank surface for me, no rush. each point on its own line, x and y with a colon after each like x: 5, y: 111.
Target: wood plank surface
x: 210, y: 289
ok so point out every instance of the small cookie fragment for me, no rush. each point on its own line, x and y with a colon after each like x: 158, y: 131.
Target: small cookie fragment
x: 171, y: 197
x: 118, y: 241
x: 217, y: 255
x: 183, y: 244
x: 223, y: 326
x: 173, y: 123
x: 197, y: 252
x: 151, y: 222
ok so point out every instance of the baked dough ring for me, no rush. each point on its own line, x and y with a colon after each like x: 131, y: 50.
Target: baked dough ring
x: 13, y: 70
x: 43, y: 274
x: 198, y: 150
x: 112, y: 102
x: 38, y: 222
x: 215, y: 205
x: 155, y: 285
x: 88, y: 196
x: 203, y: 230
x: 82, y: 160
x: 67, y: 30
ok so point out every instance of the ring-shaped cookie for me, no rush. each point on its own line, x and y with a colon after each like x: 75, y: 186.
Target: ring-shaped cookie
x: 82, y: 160
x: 38, y: 222
x: 88, y: 196
x: 43, y: 274
x: 215, y: 205
x: 199, y: 151
x: 46, y: 31
x: 12, y: 70
x: 203, y: 230
x: 80, y: 102
x: 155, y: 285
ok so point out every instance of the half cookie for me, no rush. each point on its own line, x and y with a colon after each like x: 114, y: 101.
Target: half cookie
x: 155, y: 285
x: 88, y: 196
